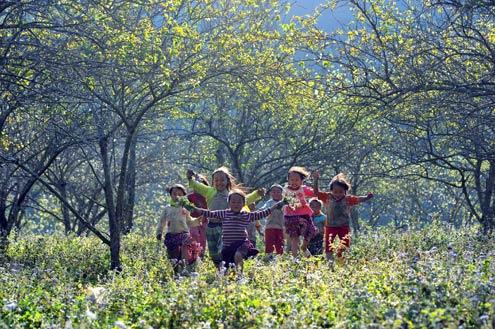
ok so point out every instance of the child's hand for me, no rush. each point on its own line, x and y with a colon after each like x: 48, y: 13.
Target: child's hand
x: 190, y: 174
x: 370, y: 195
x: 189, y: 207
x: 158, y: 236
x: 279, y: 205
x: 261, y: 191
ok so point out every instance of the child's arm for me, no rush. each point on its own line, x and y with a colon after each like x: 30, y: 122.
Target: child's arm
x: 204, y: 190
x: 267, y: 204
x: 353, y: 200
x: 161, y: 225
x: 218, y: 214
x: 257, y: 215
x: 323, y: 196
x: 255, y: 196
x: 316, y: 177
x: 192, y: 221
x: 366, y: 198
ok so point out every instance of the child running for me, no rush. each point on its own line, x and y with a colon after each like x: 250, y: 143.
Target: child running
x: 316, y: 243
x: 297, y: 214
x: 176, y: 219
x: 198, y: 233
x: 274, y: 227
x: 339, y: 205
x: 236, y: 246
x: 217, y: 199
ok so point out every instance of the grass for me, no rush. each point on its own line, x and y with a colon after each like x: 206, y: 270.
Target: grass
x: 433, y: 277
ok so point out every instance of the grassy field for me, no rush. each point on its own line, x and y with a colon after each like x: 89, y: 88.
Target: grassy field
x: 434, y: 277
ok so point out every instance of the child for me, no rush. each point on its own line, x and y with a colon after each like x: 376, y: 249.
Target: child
x: 339, y: 205
x: 297, y: 216
x: 198, y: 233
x: 236, y: 246
x: 216, y: 199
x: 179, y: 244
x: 316, y: 244
x: 274, y: 227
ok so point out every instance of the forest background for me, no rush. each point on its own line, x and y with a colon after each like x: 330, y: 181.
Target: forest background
x: 106, y: 103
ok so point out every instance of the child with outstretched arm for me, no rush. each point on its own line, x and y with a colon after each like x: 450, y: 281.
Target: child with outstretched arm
x: 217, y: 199
x: 236, y: 246
x: 297, y: 214
x: 339, y: 205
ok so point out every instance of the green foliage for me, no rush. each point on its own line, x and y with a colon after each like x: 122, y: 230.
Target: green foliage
x: 432, y: 277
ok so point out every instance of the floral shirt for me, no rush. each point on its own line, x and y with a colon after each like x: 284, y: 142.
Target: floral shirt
x: 300, y: 207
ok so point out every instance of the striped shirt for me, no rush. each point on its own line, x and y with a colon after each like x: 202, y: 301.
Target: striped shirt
x: 235, y: 223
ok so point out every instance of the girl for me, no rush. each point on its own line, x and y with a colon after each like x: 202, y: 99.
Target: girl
x: 297, y: 214
x: 316, y: 244
x: 274, y: 227
x: 179, y: 244
x: 235, y: 220
x: 339, y: 205
x: 216, y: 199
x: 198, y: 233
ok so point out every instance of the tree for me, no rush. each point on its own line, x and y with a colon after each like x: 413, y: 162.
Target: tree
x: 426, y: 69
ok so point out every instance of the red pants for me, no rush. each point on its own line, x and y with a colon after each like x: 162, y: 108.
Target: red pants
x: 198, y: 234
x: 344, y: 234
x: 274, y: 239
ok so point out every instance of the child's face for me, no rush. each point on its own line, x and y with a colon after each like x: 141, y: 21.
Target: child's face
x: 276, y: 194
x: 236, y: 202
x: 176, y: 193
x: 315, y: 206
x: 338, y: 191
x: 220, y: 181
x: 294, y: 180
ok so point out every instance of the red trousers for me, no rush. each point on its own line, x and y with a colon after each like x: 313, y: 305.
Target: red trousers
x: 274, y: 240
x: 344, y: 234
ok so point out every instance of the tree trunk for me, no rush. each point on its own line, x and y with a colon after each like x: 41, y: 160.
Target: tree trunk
x: 486, y: 196
x: 4, y: 242
x: 48, y: 158
x: 113, y: 222
x: 62, y: 187
x: 130, y: 188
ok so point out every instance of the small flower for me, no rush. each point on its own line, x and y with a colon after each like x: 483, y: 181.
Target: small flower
x: 484, y: 318
x: 96, y: 295
x: 120, y: 324
x: 90, y: 315
x: 12, y: 306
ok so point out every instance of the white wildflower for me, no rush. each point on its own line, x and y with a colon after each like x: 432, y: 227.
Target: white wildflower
x: 12, y: 306
x: 90, y: 315
x: 96, y: 295
x: 120, y: 324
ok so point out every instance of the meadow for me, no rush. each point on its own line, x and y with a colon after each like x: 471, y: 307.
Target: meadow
x: 431, y: 277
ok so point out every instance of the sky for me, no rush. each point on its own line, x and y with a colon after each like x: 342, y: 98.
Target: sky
x: 329, y: 20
